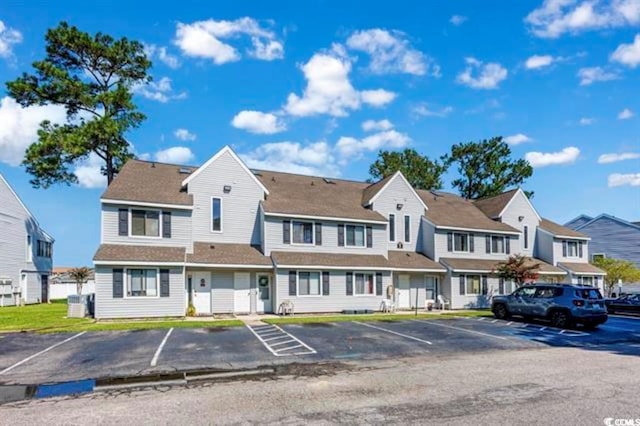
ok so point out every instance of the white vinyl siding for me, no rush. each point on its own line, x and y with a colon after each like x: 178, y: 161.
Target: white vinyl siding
x: 451, y: 289
x: 520, y: 215
x: 479, y: 247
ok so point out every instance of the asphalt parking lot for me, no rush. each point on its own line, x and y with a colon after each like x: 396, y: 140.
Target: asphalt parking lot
x: 36, y: 359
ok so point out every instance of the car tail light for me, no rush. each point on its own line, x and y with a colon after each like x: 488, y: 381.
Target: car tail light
x: 578, y: 302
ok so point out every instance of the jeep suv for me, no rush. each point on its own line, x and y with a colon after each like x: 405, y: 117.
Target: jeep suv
x: 562, y: 304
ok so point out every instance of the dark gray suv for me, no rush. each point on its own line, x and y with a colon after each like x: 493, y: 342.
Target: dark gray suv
x: 562, y: 304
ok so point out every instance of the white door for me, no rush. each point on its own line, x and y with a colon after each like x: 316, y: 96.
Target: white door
x: 404, y: 292
x: 263, y: 301
x: 242, y: 292
x: 202, y: 292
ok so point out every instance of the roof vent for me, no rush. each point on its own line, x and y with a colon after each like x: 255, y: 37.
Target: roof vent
x: 435, y: 194
x: 184, y: 171
x: 329, y: 181
x: 257, y: 173
x: 153, y: 165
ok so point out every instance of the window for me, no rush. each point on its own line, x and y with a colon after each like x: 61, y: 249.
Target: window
x: 586, y: 281
x: 355, y: 236
x: 364, y: 284
x: 572, y: 249
x: 216, y: 214
x: 302, y: 232
x: 589, y: 293
x: 142, y: 283
x: 497, y: 244
x: 460, y: 242
x: 596, y: 256
x: 145, y: 223
x: 29, y: 249
x: 407, y: 229
x: 525, y: 292
x: 392, y: 227
x: 473, y: 284
x: 545, y: 292
x: 309, y: 283
x: 526, y: 237
x: 44, y: 249
x: 431, y: 288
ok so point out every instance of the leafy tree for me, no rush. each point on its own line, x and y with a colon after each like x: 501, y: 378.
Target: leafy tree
x: 519, y: 269
x: 91, y: 77
x: 485, y: 168
x: 80, y: 276
x: 617, y: 270
x: 420, y: 171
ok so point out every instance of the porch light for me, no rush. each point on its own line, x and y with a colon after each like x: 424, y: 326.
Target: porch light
x: 227, y: 189
x: 520, y: 218
x: 399, y: 206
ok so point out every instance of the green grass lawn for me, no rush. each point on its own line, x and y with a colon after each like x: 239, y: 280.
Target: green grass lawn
x: 306, y: 319
x: 51, y: 318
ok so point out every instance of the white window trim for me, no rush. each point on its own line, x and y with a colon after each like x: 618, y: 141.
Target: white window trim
x: 298, y: 284
x: 313, y: 233
x: 213, y: 231
x: 126, y: 284
x: 404, y: 226
x: 453, y: 242
x: 374, y: 284
x: 160, y: 230
x: 395, y: 228
x: 466, y: 283
x: 364, y: 230
x: 577, y: 256
x: 504, y: 244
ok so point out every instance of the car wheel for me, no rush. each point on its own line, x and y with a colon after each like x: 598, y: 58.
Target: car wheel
x: 560, y: 319
x: 590, y: 326
x: 500, y: 311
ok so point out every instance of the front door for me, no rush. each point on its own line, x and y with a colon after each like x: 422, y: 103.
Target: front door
x: 242, y: 292
x: 264, y: 294
x: 44, y: 283
x: 202, y: 292
x: 404, y: 292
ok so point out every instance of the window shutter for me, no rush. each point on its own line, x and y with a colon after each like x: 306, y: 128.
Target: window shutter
x: 580, y: 249
x: 369, y: 236
x: 564, y: 249
x: 292, y: 283
x: 485, y: 285
x: 325, y: 283
x: 487, y: 240
x: 595, y: 281
x: 471, y: 243
x: 164, y: 283
x: 349, y: 283
x: 118, y: 284
x: 462, y: 288
x: 341, y: 235
x: 286, y: 232
x: 123, y: 222
x: 378, y: 284
x: 166, y: 224
x: 449, y: 241
x: 501, y: 285
x: 318, y: 233
x: 507, y: 245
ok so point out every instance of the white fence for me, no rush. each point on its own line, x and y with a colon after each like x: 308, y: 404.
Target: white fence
x: 62, y: 290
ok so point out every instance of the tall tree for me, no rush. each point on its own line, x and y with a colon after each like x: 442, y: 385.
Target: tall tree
x: 486, y: 169
x: 519, y: 269
x: 420, y: 171
x: 617, y: 270
x: 91, y: 77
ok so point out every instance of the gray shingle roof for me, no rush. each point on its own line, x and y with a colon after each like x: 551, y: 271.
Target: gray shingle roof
x: 559, y: 230
x: 227, y: 254
x: 581, y: 268
x: 493, y: 206
x: 130, y: 253
x: 487, y: 265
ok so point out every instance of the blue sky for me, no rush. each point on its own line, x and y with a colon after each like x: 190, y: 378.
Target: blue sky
x: 320, y: 88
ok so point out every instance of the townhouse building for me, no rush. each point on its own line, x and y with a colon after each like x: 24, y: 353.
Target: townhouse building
x: 227, y: 239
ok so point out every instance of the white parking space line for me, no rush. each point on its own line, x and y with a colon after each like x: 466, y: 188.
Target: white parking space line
x: 431, y: 322
x: 154, y: 360
x: 535, y: 327
x: 280, y: 348
x: 406, y: 336
x: 29, y: 358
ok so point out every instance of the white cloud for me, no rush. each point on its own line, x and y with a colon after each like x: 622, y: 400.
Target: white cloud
x: 625, y: 114
x: 350, y: 148
x: 541, y: 159
x: 152, y: 51
x: 458, y: 20
x: 293, y: 157
x: 204, y: 39
x: 89, y: 173
x: 423, y: 110
x: 619, y: 179
x: 628, y: 54
x: 517, y: 139
x: 586, y: 121
x: 372, y: 125
x: 557, y: 17
x: 329, y: 90
x: 613, y: 158
x: 184, y: 135
x: 175, y: 155
x: 593, y: 74
x: 8, y: 37
x: 487, y: 76
x: 160, y: 91
x: 258, y: 122
x: 19, y: 127
x: 391, y: 52
x: 539, y: 61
